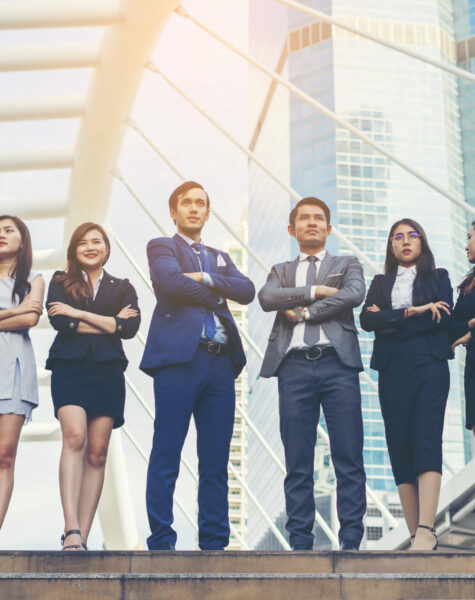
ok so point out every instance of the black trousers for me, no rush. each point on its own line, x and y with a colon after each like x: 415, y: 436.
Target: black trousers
x: 413, y: 391
x: 304, y: 386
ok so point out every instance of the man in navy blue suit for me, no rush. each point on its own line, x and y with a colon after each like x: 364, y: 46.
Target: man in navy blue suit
x: 194, y: 353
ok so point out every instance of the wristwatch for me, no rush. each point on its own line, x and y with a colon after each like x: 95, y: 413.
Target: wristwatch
x: 299, y: 312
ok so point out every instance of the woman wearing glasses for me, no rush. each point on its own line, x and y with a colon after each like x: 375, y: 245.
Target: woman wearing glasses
x: 462, y: 329
x: 408, y: 308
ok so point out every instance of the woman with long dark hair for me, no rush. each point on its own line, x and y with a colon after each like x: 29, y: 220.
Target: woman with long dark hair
x: 21, y: 304
x: 91, y: 311
x: 409, y: 309
x: 462, y: 330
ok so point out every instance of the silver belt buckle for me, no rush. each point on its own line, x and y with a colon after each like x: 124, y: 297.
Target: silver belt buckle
x: 309, y: 354
x: 213, y: 347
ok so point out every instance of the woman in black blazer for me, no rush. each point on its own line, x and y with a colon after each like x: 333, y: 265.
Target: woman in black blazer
x: 91, y: 311
x: 462, y: 330
x: 408, y: 308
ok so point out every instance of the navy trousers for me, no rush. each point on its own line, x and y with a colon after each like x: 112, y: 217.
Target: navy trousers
x: 204, y: 388
x: 304, y: 386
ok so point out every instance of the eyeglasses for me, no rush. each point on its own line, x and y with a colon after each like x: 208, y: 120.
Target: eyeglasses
x: 412, y: 236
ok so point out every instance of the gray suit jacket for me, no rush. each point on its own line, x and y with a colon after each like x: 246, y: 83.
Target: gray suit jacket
x: 335, y: 314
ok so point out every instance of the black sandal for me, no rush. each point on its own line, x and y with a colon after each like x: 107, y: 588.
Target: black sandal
x: 434, y: 534
x: 71, y: 546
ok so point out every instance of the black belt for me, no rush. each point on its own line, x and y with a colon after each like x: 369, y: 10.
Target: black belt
x: 313, y: 353
x: 213, y: 347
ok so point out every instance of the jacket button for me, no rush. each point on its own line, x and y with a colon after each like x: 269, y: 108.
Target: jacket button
x: 71, y: 325
x: 119, y: 327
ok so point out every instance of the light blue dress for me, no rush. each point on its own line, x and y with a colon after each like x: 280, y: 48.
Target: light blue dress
x: 18, y: 376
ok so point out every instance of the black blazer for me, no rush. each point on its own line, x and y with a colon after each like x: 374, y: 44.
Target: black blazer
x: 113, y: 294
x: 389, y: 324
x: 464, y: 311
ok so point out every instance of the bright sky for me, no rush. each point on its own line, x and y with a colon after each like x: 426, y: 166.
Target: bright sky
x: 218, y: 81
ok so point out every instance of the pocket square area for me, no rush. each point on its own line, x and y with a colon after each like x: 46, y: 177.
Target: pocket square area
x: 221, y: 262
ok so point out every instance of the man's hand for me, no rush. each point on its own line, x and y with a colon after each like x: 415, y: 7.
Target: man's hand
x: 198, y: 277
x: 463, y: 341
x: 291, y: 315
x: 324, y: 291
x: 471, y: 323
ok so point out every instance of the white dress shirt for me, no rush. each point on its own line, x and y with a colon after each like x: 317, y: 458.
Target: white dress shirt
x: 96, y: 286
x: 301, y: 280
x: 401, y: 295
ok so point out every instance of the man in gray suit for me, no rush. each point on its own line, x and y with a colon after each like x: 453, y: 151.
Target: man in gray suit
x: 313, y: 350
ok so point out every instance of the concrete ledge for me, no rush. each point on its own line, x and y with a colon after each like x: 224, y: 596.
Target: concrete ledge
x: 236, y: 586
x: 236, y: 562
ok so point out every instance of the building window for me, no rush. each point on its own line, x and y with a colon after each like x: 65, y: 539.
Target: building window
x: 374, y: 533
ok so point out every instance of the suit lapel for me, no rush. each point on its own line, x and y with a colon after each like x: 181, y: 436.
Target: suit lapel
x: 106, y: 289
x: 186, y: 249
x: 324, y: 268
x: 387, y: 284
x: 290, y: 271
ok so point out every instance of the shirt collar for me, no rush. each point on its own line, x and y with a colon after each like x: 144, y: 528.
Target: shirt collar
x: 320, y: 255
x: 99, y: 279
x: 189, y: 240
x: 406, y: 270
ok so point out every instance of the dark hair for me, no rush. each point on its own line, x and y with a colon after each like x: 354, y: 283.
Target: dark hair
x: 72, y: 279
x: 181, y: 189
x: 23, y: 260
x: 425, y: 283
x: 469, y: 281
x: 310, y: 200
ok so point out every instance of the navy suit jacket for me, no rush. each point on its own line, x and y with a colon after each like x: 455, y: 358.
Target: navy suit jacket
x: 112, y: 296
x: 178, y: 318
x: 389, y: 324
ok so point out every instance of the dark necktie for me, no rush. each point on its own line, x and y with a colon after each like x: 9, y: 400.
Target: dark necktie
x: 311, y: 334
x: 210, y: 325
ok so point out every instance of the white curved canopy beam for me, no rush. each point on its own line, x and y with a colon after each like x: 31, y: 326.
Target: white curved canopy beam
x: 125, y: 50
x: 31, y: 57
x: 31, y: 14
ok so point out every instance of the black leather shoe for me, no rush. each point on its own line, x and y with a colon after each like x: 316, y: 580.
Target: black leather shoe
x: 164, y: 546
x: 302, y: 547
x: 348, y: 546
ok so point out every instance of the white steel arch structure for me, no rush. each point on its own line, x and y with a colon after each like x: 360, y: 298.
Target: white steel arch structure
x: 118, y: 62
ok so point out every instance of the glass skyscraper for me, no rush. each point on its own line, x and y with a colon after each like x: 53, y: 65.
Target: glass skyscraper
x: 407, y: 106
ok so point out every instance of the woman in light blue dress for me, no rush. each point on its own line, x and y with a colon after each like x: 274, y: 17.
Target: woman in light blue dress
x: 21, y: 301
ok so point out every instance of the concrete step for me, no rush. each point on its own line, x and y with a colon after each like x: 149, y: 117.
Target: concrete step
x: 237, y: 586
x: 236, y: 562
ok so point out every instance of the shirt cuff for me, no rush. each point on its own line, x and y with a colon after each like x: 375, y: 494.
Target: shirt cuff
x: 313, y: 289
x: 207, y: 279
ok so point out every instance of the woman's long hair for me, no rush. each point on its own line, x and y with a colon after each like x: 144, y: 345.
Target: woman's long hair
x: 467, y: 284
x: 425, y: 283
x: 23, y: 260
x: 72, y: 279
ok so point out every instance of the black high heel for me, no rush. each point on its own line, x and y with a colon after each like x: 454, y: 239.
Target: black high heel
x: 434, y: 534
x: 71, y: 546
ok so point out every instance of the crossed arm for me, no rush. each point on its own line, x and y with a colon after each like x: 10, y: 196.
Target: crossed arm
x: 196, y: 288
x: 407, y: 322
x: 325, y: 303
x: 28, y: 312
x: 62, y: 314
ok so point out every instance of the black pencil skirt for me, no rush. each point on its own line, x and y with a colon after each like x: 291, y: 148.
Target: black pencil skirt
x: 98, y: 387
x: 413, y: 391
